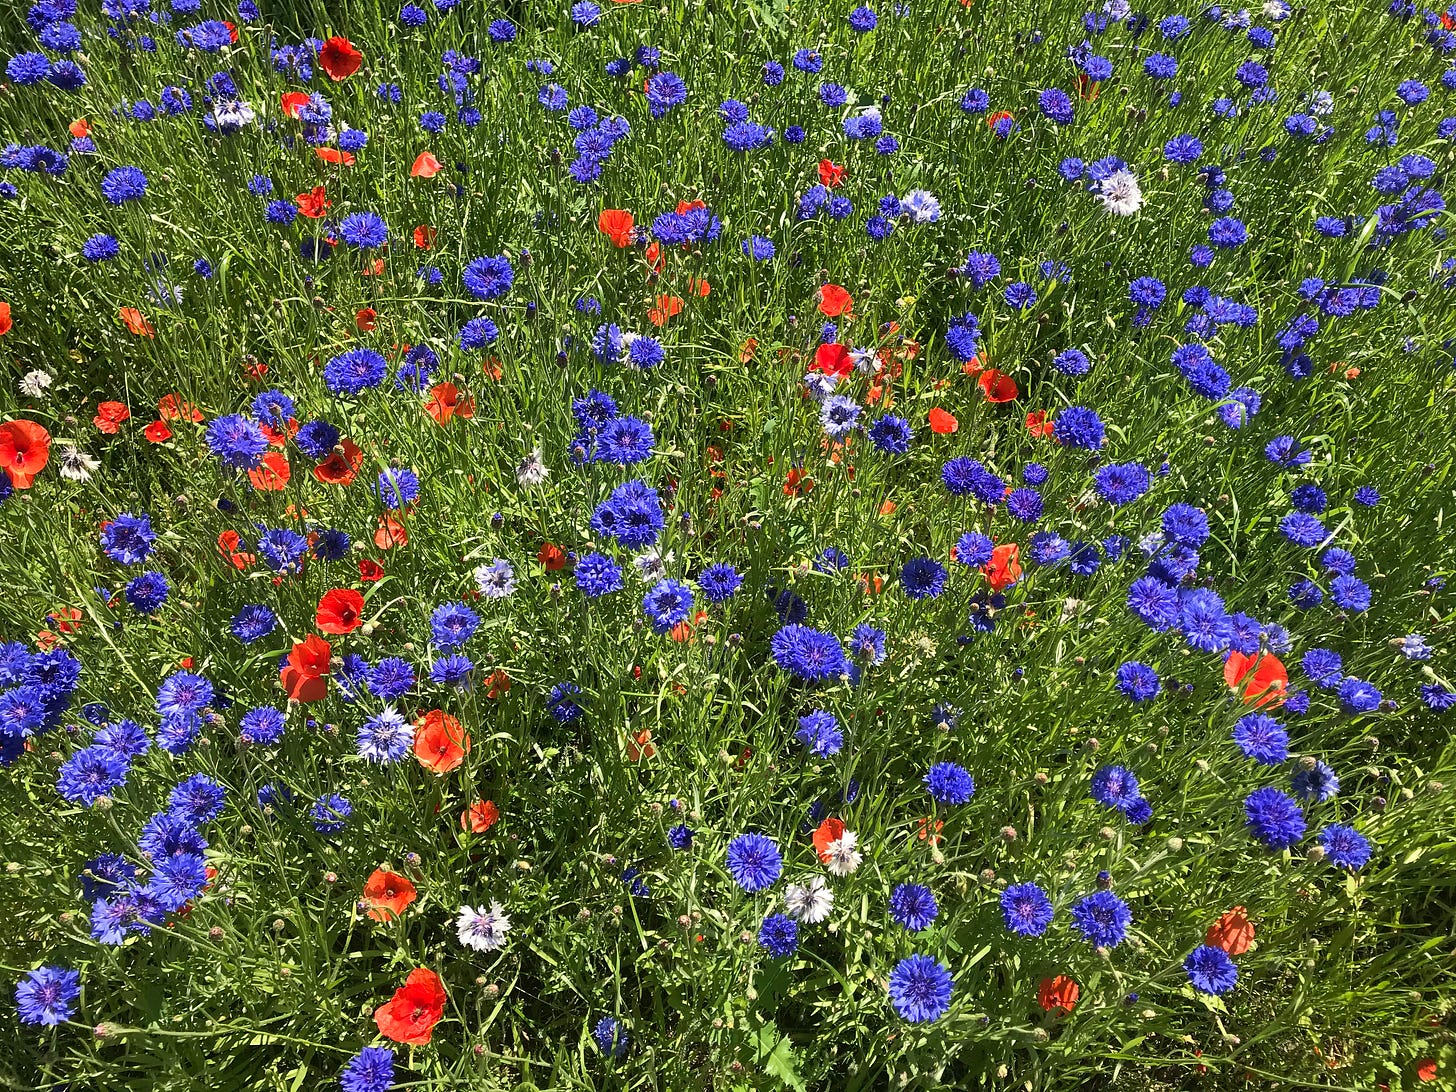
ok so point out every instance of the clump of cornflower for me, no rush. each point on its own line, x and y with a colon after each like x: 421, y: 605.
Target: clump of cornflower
x: 819, y: 731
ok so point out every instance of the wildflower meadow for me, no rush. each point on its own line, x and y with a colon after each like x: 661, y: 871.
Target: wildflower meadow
x: 736, y: 545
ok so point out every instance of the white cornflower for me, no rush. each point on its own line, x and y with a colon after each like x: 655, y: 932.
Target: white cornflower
x: 865, y: 361
x: 820, y: 385
x: 1121, y: 195
x: 532, y: 470
x: 809, y: 902
x: 483, y: 929
x: 652, y: 566
x: 496, y: 580
x: 33, y: 383
x: 843, y: 858
x: 921, y: 206
x: 75, y: 464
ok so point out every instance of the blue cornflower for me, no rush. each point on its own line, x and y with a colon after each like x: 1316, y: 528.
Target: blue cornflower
x: 1121, y: 483
x: 867, y: 643
x: 385, y: 737
x: 1273, y: 818
x: 949, y: 783
x: 329, y: 813
x: 91, y: 773
x: 355, y: 370
x: 372, y: 1069
x: 1115, y: 787
x: 667, y: 603
x: 100, y: 248
x: 123, y: 184
x: 1303, y: 529
x: 974, y: 549
x: 810, y: 654
x: 922, y: 578
x: 364, y: 230
x: 489, y: 278
x: 128, y: 539
x: 147, y: 593
x: 283, y: 549
x: 398, y: 487
x: 920, y: 988
x: 177, y: 880
x: 1262, y: 738
x: 262, y: 726
x: 913, y: 906
x: 819, y: 732
x: 1155, y: 602
x: 392, y: 678
x: 1026, y: 910
x: 754, y: 861
x: 598, y: 575
x: 47, y: 996
x: 779, y: 935
x: 1078, y: 426
x: 1350, y: 593
x: 236, y: 441
x: 1358, y: 696
x: 252, y: 623
x: 1102, y: 918
x: 1205, y: 623
x: 1210, y: 969
x: 664, y: 91
x: 719, y: 582
x: 610, y: 1037
x: 891, y: 434
x: 452, y: 624
x: 1345, y: 847
x: 1317, y: 783
x: 1138, y: 681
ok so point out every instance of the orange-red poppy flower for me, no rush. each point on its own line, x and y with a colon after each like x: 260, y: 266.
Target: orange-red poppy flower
x: 6, y: 322
x: 1039, y: 425
x: 667, y: 306
x: 370, y: 570
x: 930, y: 832
x: 498, y: 685
x: 616, y: 225
x: 426, y: 166
x: 339, y: 59
x: 79, y: 128
x: 1004, y: 568
x: 411, y: 1014
x: 551, y: 557
x: 834, y: 300
x: 441, y: 743
x: 136, y: 322
x: 832, y: 359
x: 1262, y: 677
x: 387, y: 894
x: 1233, y: 932
x: 445, y: 402
x: 306, y: 675
x: 941, y: 422
x: 992, y: 120
x: 314, y: 204
x: 293, y: 101
x: 1426, y: 1070
x: 25, y: 448
x: 830, y: 174
x: 340, y: 610
x: 341, y: 467
x: 479, y: 817
x: 109, y: 416
x: 390, y: 533
x: 170, y: 407
x: 424, y: 236
x: 1058, y: 994
x: 335, y: 156
x: 998, y: 387
x: 157, y: 432
x: 365, y: 319
x: 797, y: 483
x: 272, y: 474
x: 831, y: 830
x: 227, y: 545
x: 640, y: 746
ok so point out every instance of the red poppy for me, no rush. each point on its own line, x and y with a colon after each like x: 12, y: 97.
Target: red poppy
x: 1004, y: 568
x: 699, y: 286
x: 79, y: 128
x: 831, y: 830
x: 832, y: 359
x: 830, y: 174
x: 551, y: 557
x: 929, y: 831
x: 667, y: 306
x: 387, y: 894
x: 640, y: 746
x: 426, y: 166
x: 340, y: 467
x: 109, y: 416
x: 272, y: 474
x: 390, y: 533
x: 170, y: 407
x: 370, y: 571
x: 797, y: 483
x: 340, y: 611
x: 941, y: 422
x: 1426, y: 1069
x: 1262, y: 677
x: 995, y: 119
x: 998, y: 387
x: 227, y: 545
x: 498, y: 685
x: 616, y: 225
x: 6, y: 322
x: 25, y: 448
x: 339, y: 59
x: 479, y: 817
x: 1058, y: 994
x: 446, y: 402
x: 834, y: 301
x: 313, y: 204
x: 306, y: 675
x: 365, y: 319
x: 157, y: 432
x: 293, y: 101
x: 441, y: 744
x: 1233, y: 932
x: 1039, y: 425
x: 334, y: 156
x: 414, y: 1010
x: 136, y: 322
x: 279, y: 437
